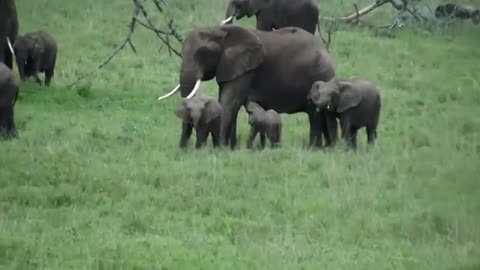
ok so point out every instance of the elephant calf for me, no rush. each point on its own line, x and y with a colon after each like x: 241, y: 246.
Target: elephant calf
x: 9, y: 86
x: 267, y: 123
x: 356, y: 103
x: 458, y: 11
x: 202, y: 113
x: 36, y: 52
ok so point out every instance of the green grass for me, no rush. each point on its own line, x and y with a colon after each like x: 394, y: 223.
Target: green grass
x: 97, y: 181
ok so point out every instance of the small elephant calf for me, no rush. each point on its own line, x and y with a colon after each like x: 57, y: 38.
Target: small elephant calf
x: 267, y: 123
x: 36, y: 52
x: 356, y: 103
x: 202, y: 113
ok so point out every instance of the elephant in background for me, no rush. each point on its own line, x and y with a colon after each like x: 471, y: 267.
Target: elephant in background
x: 8, y: 31
x: 36, y: 52
x: 9, y: 87
x: 275, y: 69
x: 267, y: 123
x: 460, y: 11
x: 355, y: 101
x: 275, y: 14
x: 202, y: 113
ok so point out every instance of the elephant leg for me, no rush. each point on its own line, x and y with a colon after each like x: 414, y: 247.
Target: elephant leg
x: 3, y: 122
x: 48, y: 77
x: 11, y: 129
x: 49, y: 73
x: 201, y: 137
x: 371, y: 135
x: 186, y: 133
x: 251, y: 137
x: 264, y: 23
x: 8, y: 56
x: 233, y: 133
x: 262, y: 140
x: 232, y: 96
x: 353, y: 138
x: 346, y: 130
x: 330, y: 128
x: 315, y: 129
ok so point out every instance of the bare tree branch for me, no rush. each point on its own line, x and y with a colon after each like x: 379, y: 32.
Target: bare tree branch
x: 138, y: 8
x: 128, y: 39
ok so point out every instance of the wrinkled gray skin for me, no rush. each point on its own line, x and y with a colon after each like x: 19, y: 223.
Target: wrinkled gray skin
x: 460, y: 11
x: 9, y: 87
x: 8, y: 28
x: 267, y: 123
x: 275, y: 69
x: 355, y: 101
x: 276, y: 14
x: 36, y: 52
x: 202, y: 113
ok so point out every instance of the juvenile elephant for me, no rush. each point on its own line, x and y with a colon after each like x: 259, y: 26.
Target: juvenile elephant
x: 275, y: 14
x: 355, y: 101
x: 9, y: 86
x: 202, y: 113
x: 267, y: 123
x: 460, y: 11
x: 36, y: 52
x: 275, y: 69
x: 8, y: 31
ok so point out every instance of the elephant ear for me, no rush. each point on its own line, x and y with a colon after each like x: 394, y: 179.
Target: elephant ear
x: 242, y: 52
x: 181, y: 112
x: 349, y: 97
x: 258, y: 5
x: 212, y: 110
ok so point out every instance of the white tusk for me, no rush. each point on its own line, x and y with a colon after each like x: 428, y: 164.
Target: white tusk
x: 195, y: 89
x: 171, y: 93
x: 10, y: 45
x: 328, y: 107
x: 227, y: 20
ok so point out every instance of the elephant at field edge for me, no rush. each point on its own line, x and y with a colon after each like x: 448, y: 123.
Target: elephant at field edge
x: 355, y: 101
x: 275, y: 69
x: 202, y: 113
x: 267, y: 123
x: 458, y: 11
x: 36, y: 52
x: 8, y: 31
x: 9, y: 87
x: 275, y: 14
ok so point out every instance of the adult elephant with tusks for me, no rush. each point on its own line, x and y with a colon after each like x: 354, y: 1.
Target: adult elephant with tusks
x: 274, y: 69
x: 275, y: 14
x: 8, y: 31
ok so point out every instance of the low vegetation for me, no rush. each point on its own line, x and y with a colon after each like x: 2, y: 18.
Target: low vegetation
x: 96, y: 179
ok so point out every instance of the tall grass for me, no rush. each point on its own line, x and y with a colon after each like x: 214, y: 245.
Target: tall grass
x: 97, y: 181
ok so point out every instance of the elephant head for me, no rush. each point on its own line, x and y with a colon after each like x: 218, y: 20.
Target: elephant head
x: 224, y: 52
x: 334, y: 95
x: 237, y: 9
x: 198, y: 111
x: 27, y: 51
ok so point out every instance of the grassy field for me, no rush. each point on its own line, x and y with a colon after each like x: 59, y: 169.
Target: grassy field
x: 96, y: 179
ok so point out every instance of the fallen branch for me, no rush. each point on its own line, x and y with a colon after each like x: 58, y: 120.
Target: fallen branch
x: 138, y: 9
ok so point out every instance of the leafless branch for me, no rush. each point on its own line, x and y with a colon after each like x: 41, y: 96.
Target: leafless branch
x: 357, y: 18
x: 330, y: 29
x: 138, y: 8
x: 127, y: 40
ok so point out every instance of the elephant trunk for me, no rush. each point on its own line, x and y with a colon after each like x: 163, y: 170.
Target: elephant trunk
x: 190, y: 79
